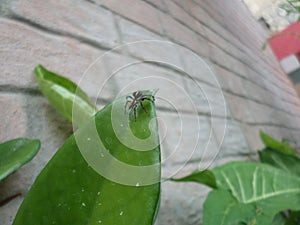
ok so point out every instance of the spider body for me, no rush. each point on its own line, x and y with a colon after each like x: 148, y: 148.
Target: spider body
x: 135, y: 100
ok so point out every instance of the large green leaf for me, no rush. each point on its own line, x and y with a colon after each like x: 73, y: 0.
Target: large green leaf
x: 205, y: 177
x: 15, y: 153
x: 277, y: 145
x: 268, y: 188
x: 95, y: 179
x: 288, y: 163
x: 65, y: 96
x: 221, y: 208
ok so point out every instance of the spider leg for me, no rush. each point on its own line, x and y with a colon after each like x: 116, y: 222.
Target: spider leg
x: 128, y: 100
x: 126, y: 105
x: 150, y: 96
x: 149, y: 99
x: 143, y: 107
x: 134, y: 113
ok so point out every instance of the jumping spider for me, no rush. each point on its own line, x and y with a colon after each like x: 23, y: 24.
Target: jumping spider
x: 137, y: 99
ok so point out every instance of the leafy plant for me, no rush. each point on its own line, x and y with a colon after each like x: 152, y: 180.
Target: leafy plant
x: 252, y: 192
x: 291, y: 7
x: 14, y: 154
x: 83, y: 185
x: 95, y: 177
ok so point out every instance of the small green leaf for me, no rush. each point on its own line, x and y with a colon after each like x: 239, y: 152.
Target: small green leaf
x: 288, y: 163
x: 221, y: 208
x: 15, y: 153
x: 270, y: 189
x: 277, y: 145
x: 65, y: 96
x: 99, y: 176
x: 264, y: 46
x: 205, y: 177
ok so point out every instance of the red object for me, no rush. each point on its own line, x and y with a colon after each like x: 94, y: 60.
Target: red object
x: 286, y: 42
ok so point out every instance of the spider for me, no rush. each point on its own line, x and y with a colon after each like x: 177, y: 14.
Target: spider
x: 137, y: 99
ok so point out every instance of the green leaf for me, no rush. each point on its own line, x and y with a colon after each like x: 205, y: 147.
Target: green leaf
x: 221, y: 208
x: 205, y: 177
x: 15, y: 153
x: 288, y: 163
x: 95, y: 178
x: 293, y: 219
x: 270, y: 189
x: 264, y: 46
x: 65, y: 96
x: 277, y: 145
x: 279, y: 219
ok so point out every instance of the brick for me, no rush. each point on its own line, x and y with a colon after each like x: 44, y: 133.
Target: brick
x: 146, y: 45
x: 295, y: 139
x: 207, y: 99
x: 239, y: 67
x: 86, y: 22
x: 180, y: 14
x: 253, y: 91
x: 131, y: 32
x: 220, y: 57
x: 183, y: 4
x: 262, y: 113
x: 230, y: 138
x: 198, y: 12
x: 213, y: 11
x: 185, y: 36
x: 138, y: 11
x: 197, y: 67
x: 229, y: 81
x: 65, y: 56
x: 13, y: 116
x: 215, y: 38
x: 275, y: 132
x: 185, y: 138
x: 251, y: 134
x: 239, y: 108
x: 157, y: 3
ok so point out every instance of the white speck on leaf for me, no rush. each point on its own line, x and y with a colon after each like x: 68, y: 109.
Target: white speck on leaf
x: 83, y: 204
x: 121, y: 213
x: 108, y: 140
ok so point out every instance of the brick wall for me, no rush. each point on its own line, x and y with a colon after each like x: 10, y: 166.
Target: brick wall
x: 250, y: 92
